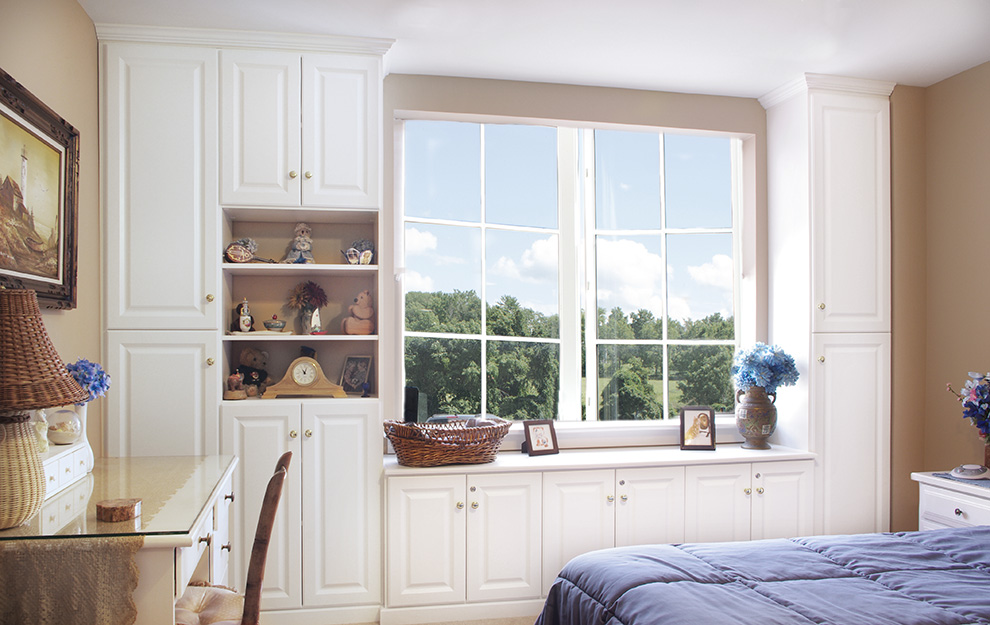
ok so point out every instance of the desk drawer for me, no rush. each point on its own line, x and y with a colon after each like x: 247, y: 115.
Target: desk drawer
x: 954, y: 509
x: 192, y: 563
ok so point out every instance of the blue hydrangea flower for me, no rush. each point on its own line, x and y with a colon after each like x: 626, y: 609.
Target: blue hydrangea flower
x: 91, y: 377
x: 975, y: 399
x: 763, y: 365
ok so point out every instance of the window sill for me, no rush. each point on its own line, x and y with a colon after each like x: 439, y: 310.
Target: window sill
x: 612, y: 434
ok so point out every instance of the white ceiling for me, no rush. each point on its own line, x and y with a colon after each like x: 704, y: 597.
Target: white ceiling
x: 727, y: 47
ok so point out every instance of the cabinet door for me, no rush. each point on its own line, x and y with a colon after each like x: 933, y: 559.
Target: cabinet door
x: 425, y: 540
x: 503, y: 536
x: 341, y: 111
x: 650, y: 506
x: 160, y: 163
x: 342, y: 465
x: 782, y: 499
x: 578, y: 517
x: 850, y: 163
x: 716, y: 502
x: 258, y: 432
x: 260, y: 135
x: 148, y: 418
x: 850, y: 390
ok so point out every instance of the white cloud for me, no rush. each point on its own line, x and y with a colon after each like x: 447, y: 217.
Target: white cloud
x: 419, y: 242
x: 679, y: 308
x: 538, y: 263
x: 414, y: 281
x: 717, y: 273
x: 629, y: 275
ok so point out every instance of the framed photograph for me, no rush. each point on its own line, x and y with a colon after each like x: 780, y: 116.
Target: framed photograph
x: 355, y: 373
x: 39, y: 173
x: 540, y: 438
x: 697, y: 427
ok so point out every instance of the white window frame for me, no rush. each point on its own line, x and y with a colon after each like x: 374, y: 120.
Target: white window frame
x: 571, y: 433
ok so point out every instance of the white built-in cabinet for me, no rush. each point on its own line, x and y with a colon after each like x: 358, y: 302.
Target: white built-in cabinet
x: 333, y: 488
x: 480, y: 541
x: 463, y: 538
x: 828, y: 174
x: 300, y: 129
x: 159, y: 181
x: 212, y: 136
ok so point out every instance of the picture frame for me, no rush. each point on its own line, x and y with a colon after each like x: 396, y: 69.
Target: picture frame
x: 697, y: 427
x: 541, y: 438
x: 355, y: 373
x: 39, y: 179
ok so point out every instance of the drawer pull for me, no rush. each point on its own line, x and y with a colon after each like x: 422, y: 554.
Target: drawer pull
x: 958, y: 512
x: 610, y: 498
x: 208, y: 539
x: 474, y: 505
x: 225, y: 547
x: 460, y: 505
x: 748, y: 491
x: 624, y: 498
x: 760, y: 490
x: 229, y: 497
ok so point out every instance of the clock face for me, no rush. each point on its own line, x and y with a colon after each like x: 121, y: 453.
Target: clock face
x: 304, y: 373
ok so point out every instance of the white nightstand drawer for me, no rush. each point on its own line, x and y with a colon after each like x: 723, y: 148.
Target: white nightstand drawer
x: 953, y: 508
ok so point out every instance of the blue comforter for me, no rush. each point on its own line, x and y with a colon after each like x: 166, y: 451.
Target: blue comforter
x: 938, y: 577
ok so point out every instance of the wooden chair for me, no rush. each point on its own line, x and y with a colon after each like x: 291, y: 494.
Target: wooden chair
x: 219, y: 605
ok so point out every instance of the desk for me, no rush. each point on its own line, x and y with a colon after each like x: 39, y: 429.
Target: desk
x: 184, y: 522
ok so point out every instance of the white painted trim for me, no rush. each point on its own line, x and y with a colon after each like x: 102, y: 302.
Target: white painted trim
x: 427, y: 615
x: 321, y: 616
x: 807, y: 82
x: 220, y: 38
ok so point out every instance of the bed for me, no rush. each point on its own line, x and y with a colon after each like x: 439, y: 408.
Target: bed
x: 936, y: 577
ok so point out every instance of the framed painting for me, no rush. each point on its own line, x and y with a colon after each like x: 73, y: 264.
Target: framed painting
x: 697, y: 427
x: 355, y: 373
x: 540, y: 437
x: 39, y: 177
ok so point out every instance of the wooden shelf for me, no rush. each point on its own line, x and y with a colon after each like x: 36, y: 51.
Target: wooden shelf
x: 300, y: 271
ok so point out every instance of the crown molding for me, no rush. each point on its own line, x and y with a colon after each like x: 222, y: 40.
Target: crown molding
x: 826, y: 82
x: 242, y: 39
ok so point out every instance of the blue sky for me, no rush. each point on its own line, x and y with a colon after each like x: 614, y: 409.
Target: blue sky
x: 443, y: 180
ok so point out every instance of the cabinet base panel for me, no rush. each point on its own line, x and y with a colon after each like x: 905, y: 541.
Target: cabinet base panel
x: 426, y: 615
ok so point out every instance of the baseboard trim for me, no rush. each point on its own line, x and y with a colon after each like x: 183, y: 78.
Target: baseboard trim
x: 425, y: 615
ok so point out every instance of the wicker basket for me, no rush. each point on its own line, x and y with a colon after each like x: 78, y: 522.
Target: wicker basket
x: 433, y: 444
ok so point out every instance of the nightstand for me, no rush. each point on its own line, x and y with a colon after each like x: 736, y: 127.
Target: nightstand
x: 946, y: 502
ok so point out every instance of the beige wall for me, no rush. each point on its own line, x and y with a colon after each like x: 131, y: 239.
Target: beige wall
x: 957, y: 138
x: 49, y: 46
x: 908, y: 291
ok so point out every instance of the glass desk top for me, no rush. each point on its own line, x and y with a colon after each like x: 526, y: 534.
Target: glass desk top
x: 174, y: 490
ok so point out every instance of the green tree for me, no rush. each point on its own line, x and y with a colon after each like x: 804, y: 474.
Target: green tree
x: 629, y: 394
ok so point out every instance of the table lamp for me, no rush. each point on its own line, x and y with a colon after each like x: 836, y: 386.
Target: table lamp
x: 32, y: 376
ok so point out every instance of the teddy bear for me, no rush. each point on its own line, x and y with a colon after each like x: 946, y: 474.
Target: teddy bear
x: 361, y: 320
x: 301, y: 248
x: 252, y: 367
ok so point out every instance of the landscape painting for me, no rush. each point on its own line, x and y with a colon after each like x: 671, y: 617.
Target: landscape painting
x: 38, y: 178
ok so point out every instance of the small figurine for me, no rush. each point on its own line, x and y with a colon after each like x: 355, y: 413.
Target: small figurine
x: 243, y: 321
x: 361, y: 252
x: 362, y: 316
x: 301, y: 248
x: 235, y: 387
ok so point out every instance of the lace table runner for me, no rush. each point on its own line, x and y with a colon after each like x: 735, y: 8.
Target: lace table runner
x: 69, y: 581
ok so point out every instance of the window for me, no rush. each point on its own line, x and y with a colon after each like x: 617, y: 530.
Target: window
x: 576, y: 274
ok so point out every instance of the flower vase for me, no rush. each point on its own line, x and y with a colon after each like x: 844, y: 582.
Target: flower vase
x: 310, y: 319
x: 756, y: 416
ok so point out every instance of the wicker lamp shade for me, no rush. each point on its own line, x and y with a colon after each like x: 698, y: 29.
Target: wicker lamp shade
x: 32, y: 376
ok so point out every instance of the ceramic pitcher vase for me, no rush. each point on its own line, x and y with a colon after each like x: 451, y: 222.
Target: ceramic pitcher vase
x: 756, y: 416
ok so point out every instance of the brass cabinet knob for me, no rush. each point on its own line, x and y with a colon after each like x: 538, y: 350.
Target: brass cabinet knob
x: 748, y: 491
x: 474, y: 505
x: 210, y: 362
x: 293, y: 434
x: 958, y: 512
x: 293, y: 174
x: 821, y: 306
x: 206, y: 539
x: 460, y: 505
x: 308, y: 175
x: 308, y: 433
x: 821, y: 359
x: 759, y: 490
x: 610, y: 498
x: 210, y: 297
x: 624, y: 497
x: 229, y: 496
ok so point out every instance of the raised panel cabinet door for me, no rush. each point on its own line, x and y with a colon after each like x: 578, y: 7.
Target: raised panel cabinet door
x: 341, y: 108
x: 259, y: 432
x: 260, y: 159
x: 850, y: 164
x: 159, y: 121
x: 342, y: 462
x: 425, y: 555
x: 782, y: 499
x: 717, y: 502
x: 649, y: 506
x: 850, y: 390
x: 147, y: 418
x: 578, y: 517
x: 503, y: 536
